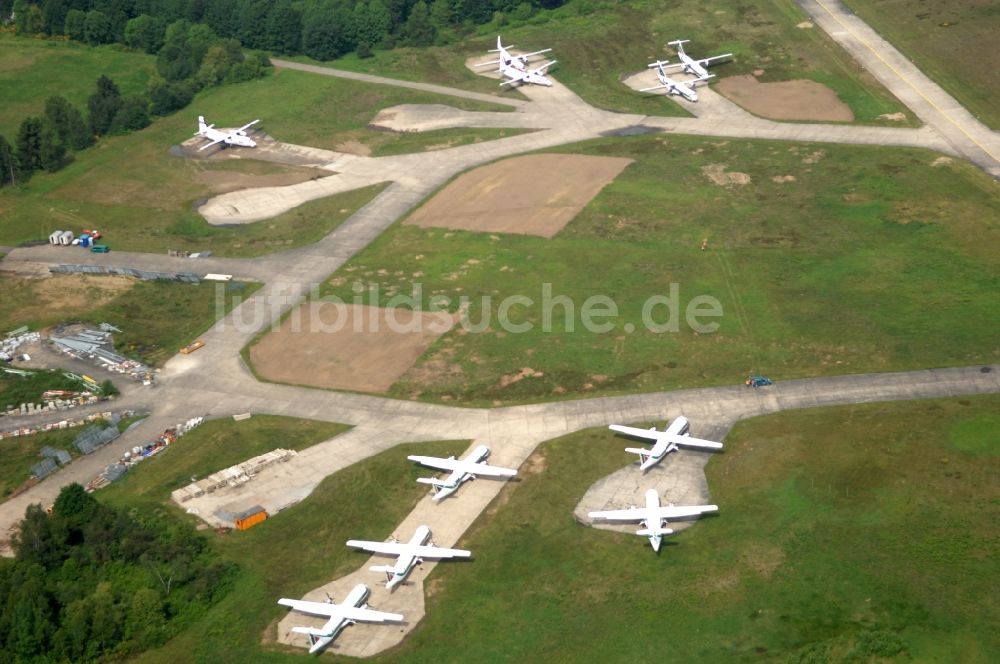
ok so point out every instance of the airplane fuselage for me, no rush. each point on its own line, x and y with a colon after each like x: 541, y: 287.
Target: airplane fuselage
x: 335, y: 626
x: 406, y: 562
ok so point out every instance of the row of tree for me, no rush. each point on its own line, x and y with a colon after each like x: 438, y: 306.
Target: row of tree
x: 90, y: 582
x: 323, y: 29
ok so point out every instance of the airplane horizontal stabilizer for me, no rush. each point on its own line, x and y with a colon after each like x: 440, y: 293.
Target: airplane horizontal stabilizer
x: 654, y: 531
x: 432, y: 481
x: 388, y: 569
x: 311, y: 631
x: 636, y: 450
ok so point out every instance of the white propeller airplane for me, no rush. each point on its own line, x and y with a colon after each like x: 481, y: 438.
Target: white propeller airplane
x: 685, y: 89
x: 654, y: 516
x: 462, y: 470
x: 664, y: 442
x: 515, y: 67
x: 410, y: 554
x: 350, y: 611
x: 235, y: 137
x: 692, y: 66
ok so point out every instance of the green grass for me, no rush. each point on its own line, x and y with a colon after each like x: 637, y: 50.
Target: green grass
x: 32, y: 70
x: 442, y: 139
x: 870, y: 260
x: 289, y: 554
x: 144, y: 199
x: 842, y: 534
x: 156, y: 317
x: 947, y: 41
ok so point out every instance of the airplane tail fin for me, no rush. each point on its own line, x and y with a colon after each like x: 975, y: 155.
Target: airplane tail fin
x: 202, y: 127
x: 679, y: 43
x: 702, y: 81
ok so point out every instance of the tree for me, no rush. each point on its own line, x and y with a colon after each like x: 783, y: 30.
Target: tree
x: 419, y: 29
x: 29, y: 145
x: 145, y: 33
x: 217, y: 62
x: 53, y: 16
x: 8, y: 163
x: 132, y: 116
x: 97, y: 28
x: 327, y: 31
x: 253, y: 23
x: 74, y: 505
x: 27, y: 18
x: 372, y: 22
x: 165, y: 97
x: 51, y: 151
x: 68, y: 122
x: 73, y: 27
x: 441, y: 14
x: 103, y: 105
x: 284, y: 28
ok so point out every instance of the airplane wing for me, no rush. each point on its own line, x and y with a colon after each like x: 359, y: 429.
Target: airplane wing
x: 521, y: 76
x: 390, y: 548
x: 216, y: 141
x: 247, y: 126
x: 675, y: 512
x: 713, y: 58
x: 528, y: 55
x: 439, y: 552
x: 483, y: 469
x: 645, y: 434
x: 339, y: 611
x: 696, y: 442
x: 631, y: 514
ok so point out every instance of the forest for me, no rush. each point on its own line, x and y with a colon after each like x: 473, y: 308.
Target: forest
x: 91, y: 582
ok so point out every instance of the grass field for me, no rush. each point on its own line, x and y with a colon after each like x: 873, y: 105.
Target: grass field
x: 32, y: 70
x: 948, y: 42
x: 143, y: 198
x: 156, y: 317
x: 296, y: 551
x: 599, y: 42
x: 844, y: 534
x: 870, y: 260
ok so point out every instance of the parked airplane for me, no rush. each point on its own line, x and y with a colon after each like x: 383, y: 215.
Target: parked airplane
x: 350, y: 611
x: 692, y: 66
x: 653, y: 516
x: 685, y: 89
x: 664, y: 442
x: 515, y: 67
x: 236, y: 137
x: 410, y: 554
x: 461, y: 470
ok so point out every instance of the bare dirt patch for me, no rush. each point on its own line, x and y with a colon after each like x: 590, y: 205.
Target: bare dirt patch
x: 895, y: 117
x: 355, y: 147
x: 221, y: 182
x: 532, y: 195
x: 367, y: 349
x: 717, y: 173
x: 783, y: 178
x: 786, y: 100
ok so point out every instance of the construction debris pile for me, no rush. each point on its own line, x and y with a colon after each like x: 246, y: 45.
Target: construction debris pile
x: 233, y: 476
x: 63, y: 424
x: 97, y: 347
x: 141, y: 452
x: 13, y: 340
x: 55, y: 400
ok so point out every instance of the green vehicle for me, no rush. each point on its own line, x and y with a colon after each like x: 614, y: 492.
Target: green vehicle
x: 100, y: 249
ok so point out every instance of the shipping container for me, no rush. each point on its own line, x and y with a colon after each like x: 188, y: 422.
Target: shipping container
x: 66, y: 238
x: 54, y: 237
x: 250, y: 518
